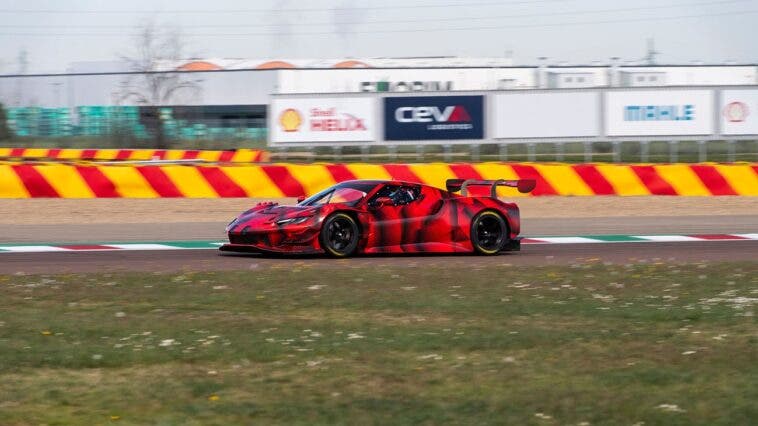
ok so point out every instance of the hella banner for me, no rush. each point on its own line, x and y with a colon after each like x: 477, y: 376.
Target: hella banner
x: 307, y: 120
x: 739, y: 112
x: 659, y: 113
x: 433, y: 118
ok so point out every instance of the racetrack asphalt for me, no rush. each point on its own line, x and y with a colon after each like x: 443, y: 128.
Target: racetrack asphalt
x: 738, y: 216
x: 171, y: 231
x: 212, y: 260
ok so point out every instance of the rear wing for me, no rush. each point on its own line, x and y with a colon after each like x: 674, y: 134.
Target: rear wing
x: 523, y: 185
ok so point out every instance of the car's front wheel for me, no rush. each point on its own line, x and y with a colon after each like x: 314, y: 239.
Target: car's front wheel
x: 339, y: 235
x: 489, y: 233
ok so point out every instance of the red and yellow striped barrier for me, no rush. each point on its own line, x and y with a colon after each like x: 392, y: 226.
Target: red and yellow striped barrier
x: 229, y: 156
x: 292, y: 180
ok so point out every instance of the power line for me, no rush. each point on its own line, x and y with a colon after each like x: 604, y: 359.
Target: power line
x: 315, y: 9
x: 416, y: 30
x: 410, y: 21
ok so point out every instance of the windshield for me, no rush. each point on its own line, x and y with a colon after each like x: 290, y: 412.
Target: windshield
x: 349, y: 194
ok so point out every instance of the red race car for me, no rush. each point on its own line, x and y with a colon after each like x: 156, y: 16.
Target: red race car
x: 372, y: 216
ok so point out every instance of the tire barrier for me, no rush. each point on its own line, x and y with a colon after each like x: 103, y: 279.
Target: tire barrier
x: 228, y: 156
x: 19, y: 180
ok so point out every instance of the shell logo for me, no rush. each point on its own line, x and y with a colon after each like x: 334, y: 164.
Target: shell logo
x: 290, y: 120
x: 736, y: 112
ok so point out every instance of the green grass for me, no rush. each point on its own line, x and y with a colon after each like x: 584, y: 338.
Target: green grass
x: 602, y: 344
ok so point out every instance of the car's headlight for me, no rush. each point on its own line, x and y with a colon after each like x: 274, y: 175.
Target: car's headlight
x: 293, y: 220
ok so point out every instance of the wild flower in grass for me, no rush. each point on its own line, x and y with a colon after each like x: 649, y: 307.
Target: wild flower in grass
x: 689, y: 352
x: 351, y: 336
x: 46, y: 332
x: 431, y: 357
x: 168, y: 342
x: 543, y: 416
x: 670, y: 408
x: 115, y: 418
x: 220, y: 287
x: 213, y: 397
x: 316, y: 287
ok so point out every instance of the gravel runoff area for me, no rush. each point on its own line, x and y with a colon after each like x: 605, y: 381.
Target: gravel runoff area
x: 167, y: 210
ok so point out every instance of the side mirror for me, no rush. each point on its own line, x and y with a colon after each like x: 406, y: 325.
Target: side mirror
x: 300, y: 199
x: 381, y: 201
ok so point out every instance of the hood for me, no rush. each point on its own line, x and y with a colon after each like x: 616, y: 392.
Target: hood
x: 270, y: 213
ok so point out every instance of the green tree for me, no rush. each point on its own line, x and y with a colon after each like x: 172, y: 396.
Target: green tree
x: 5, y: 131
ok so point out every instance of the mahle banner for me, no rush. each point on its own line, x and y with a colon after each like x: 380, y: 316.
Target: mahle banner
x: 659, y: 113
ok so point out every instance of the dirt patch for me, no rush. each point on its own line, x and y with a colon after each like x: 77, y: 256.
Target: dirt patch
x: 163, y: 210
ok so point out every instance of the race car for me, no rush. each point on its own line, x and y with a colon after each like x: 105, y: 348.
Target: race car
x: 376, y: 216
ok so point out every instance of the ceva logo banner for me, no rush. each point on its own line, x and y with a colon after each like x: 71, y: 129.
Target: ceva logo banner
x: 433, y: 118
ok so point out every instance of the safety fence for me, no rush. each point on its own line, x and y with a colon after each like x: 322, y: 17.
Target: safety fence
x: 23, y: 180
x: 229, y: 156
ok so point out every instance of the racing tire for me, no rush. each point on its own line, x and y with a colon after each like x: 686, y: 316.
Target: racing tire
x: 339, y: 235
x: 489, y: 233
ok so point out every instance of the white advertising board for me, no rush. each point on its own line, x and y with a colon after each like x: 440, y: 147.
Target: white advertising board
x: 294, y: 120
x: 659, y: 113
x: 739, y: 112
x: 546, y: 115
x: 368, y: 80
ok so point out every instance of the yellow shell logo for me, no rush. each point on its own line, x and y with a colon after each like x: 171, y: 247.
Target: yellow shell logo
x: 290, y: 120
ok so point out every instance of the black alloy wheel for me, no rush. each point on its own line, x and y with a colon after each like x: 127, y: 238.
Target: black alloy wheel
x: 339, y: 235
x: 489, y: 233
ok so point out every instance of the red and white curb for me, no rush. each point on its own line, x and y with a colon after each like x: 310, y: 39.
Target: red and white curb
x: 208, y: 245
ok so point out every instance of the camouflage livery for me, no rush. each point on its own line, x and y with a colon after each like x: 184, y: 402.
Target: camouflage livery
x: 382, y: 217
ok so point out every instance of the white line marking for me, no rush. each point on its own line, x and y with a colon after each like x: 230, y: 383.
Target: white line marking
x: 749, y: 236
x: 567, y: 240
x: 144, y: 247
x: 668, y: 238
x: 33, y: 249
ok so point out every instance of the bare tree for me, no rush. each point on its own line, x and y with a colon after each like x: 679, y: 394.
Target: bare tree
x: 156, y: 53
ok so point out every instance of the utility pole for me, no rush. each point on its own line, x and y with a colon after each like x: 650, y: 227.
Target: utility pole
x: 651, y: 52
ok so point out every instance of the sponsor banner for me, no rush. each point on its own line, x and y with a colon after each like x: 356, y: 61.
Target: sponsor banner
x: 739, y: 112
x: 322, y: 120
x: 433, y: 118
x: 546, y: 115
x: 659, y: 113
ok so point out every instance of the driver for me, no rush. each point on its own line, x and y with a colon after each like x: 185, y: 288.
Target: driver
x: 402, y: 196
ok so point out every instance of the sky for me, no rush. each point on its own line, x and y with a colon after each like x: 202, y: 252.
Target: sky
x: 56, y: 33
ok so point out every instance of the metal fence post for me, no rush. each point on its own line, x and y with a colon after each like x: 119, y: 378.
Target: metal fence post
x: 587, y: 152
x: 702, y: 152
x: 531, y: 155
x: 732, y: 146
x: 503, y: 152
x: 644, y: 151
x: 475, y: 152
x: 559, y: 151
x: 447, y: 152
x: 673, y: 151
x: 616, y: 151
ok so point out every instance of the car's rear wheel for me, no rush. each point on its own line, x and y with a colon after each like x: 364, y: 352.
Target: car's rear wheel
x: 489, y: 233
x: 340, y: 235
